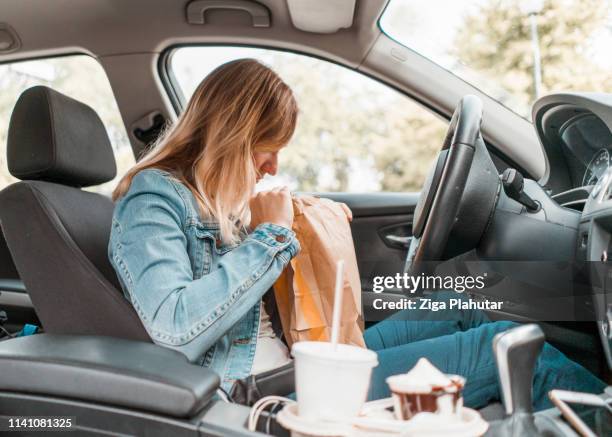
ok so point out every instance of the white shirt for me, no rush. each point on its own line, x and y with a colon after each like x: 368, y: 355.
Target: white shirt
x: 270, y: 351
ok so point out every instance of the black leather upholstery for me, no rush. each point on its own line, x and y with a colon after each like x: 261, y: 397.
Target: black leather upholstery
x: 57, y: 234
x: 109, y: 371
x: 58, y: 139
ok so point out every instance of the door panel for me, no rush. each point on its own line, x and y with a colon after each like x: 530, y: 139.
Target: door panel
x: 374, y: 256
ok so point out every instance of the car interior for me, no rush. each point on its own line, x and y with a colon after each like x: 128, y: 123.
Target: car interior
x: 93, y: 358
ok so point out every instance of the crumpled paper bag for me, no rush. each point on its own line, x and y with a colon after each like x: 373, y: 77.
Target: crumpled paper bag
x: 305, y: 290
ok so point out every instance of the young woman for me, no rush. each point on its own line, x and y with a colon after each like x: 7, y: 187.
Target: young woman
x: 196, y: 250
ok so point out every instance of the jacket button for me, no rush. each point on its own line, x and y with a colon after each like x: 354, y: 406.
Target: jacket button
x: 281, y: 238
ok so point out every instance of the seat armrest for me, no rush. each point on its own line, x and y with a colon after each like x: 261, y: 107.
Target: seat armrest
x: 123, y: 373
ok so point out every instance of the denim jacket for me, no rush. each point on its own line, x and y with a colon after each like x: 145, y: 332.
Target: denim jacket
x: 191, y: 293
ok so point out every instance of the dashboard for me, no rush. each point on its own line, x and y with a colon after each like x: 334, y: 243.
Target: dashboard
x: 586, y: 143
x: 575, y: 131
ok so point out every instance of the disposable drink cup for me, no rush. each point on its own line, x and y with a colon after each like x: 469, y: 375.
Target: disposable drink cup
x: 331, y: 384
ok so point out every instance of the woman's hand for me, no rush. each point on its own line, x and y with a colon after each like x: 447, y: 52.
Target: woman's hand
x: 272, y: 206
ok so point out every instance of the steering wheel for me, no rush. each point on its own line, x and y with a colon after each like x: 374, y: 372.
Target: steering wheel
x: 459, y: 194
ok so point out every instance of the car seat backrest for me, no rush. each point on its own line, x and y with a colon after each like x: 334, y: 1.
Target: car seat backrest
x: 57, y: 233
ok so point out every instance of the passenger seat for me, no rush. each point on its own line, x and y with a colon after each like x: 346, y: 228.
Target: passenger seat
x: 57, y: 233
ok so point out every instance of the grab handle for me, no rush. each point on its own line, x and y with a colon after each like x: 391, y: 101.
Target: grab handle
x: 196, y: 10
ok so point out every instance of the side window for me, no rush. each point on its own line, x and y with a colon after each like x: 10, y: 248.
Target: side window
x: 80, y: 77
x: 354, y: 134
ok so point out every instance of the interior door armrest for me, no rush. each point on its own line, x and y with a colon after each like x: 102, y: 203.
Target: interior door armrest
x: 123, y: 373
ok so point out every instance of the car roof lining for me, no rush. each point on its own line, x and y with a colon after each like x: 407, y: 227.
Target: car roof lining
x: 105, y: 28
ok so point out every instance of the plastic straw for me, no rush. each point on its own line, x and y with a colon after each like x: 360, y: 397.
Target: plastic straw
x: 337, y: 302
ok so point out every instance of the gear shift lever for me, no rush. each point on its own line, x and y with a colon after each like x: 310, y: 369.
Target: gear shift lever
x: 516, y: 352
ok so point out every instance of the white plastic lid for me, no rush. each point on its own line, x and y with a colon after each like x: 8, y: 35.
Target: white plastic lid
x: 344, y: 353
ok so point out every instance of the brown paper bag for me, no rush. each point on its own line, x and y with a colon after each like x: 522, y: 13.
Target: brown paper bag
x: 305, y: 290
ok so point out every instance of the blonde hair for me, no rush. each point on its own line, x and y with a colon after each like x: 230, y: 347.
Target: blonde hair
x: 240, y: 107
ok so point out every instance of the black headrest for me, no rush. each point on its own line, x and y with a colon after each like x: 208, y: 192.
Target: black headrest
x: 55, y: 138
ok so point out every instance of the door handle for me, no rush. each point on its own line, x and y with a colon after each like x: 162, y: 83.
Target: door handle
x: 398, y: 240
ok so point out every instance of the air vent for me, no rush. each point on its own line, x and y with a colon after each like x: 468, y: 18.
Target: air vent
x: 578, y: 205
x: 573, y: 199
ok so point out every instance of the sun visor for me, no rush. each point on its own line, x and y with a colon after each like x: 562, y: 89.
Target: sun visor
x: 321, y: 16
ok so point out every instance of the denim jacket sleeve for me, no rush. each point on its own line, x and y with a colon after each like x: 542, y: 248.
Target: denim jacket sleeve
x: 149, y: 252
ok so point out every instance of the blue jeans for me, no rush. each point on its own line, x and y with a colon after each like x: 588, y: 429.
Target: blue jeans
x: 460, y: 342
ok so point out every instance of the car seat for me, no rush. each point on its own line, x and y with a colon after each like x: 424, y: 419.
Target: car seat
x: 56, y: 232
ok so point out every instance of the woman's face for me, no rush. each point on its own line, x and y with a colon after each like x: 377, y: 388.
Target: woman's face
x: 265, y: 163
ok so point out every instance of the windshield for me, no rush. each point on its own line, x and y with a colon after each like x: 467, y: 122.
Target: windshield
x: 513, y: 50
